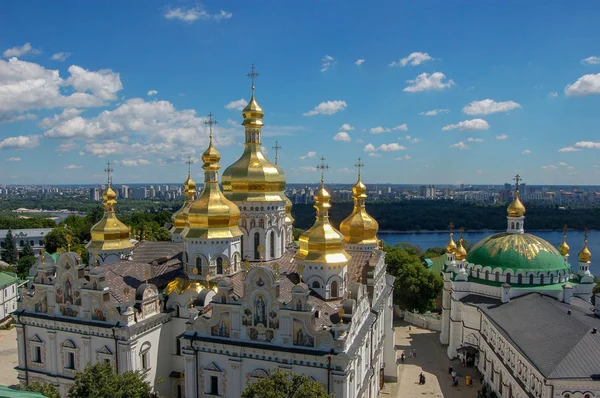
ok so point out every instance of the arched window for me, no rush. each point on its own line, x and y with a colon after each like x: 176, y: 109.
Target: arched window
x: 242, y: 246
x: 531, y: 279
x: 21, y: 242
x: 316, y: 285
x: 497, y: 276
x: 512, y: 225
x: 334, y: 289
x: 518, y: 225
x: 508, y: 278
x: 541, y: 279
x: 256, y: 244
x: 199, y: 264
x: 520, y: 279
x: 478, y: 273
x: 551, y: 279
x: 272, y: 244
x: 487, y: 275
x: 219, y: 265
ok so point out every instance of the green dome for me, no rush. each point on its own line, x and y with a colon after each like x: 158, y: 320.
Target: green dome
x: 517, y: 252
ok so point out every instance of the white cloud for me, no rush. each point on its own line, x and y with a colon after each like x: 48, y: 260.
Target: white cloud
x: 379, y: 130
x: 327, y: 108
x: 67, y: 147
x: 581, y: 145
x: 105, y: 148
x: 593, y: 60
x: 73, y: 166
x: 563, y: 164
x: 193, y: 14
x: 471, y: 139
x: 425, y: 82
x: 401, y: 127
x: 20, y: 51
x: 552, y: 94
x: 346, y: 127
x: 237, y: 105
x: 434, y: 112
x: 474, y: 124
x: 526, y: 152
x: 309, y: 155
x: 344, y: 170
x: 413, y: 140
x: 359, y: 62
x: 13, y: 159
x: 308, y: 168
x: 328, y: 62
x: 12, y: 117
x: 20, y: 142
x: 369, y: 148
x: 585, y: 85
x: 460, y: 145
x: 501, y: 137
x: 413, y: 59
x: 488, y: 106
x: 151, y: 93
x: 405, y: 157
x: 549, y: 167
x: 342, y: 136
x: 62, y: 56
x: 134, y: 162
x: 27, y: 85
x: 384, y: 147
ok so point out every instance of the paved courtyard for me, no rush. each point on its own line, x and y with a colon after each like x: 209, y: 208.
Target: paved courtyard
x: 433, y: 362
x: 8, y: 357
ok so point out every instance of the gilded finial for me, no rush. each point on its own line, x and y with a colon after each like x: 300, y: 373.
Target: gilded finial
x: 253, y: 74
x: 451, y: 245
x: 42, y: 255
x: 517, y: 179
x: 461, y: 252
x: 585, y: 255
x: 276, y: 269
x: 277, y: 148
x: 300, y: 271
x: 341, y: 315
x: 359, y: 165
x: 210, y: 122
x: 69, y: 239
x: 189, y: 162
x: 564, y: 248
x: 516, y: 208
x: 108, y: 171
x: 246, y: 265
x: 322, y: 167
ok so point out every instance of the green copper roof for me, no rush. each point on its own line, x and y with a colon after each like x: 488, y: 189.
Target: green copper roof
x: 517, y: 252
x: 9, y: 392
x: 7, y: 279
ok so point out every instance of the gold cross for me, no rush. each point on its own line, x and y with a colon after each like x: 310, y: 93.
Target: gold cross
x: 322, y: 167
x: 461, y: 232
x: 359, y: 165
x: 108, y: 170
x: 565, y: 231
x: 451, y: 226
x: 585, y: 236
x: 252, y: 75
x: 210, y: 123
x: 517, y: 179
x: 189, y: 162
x: 277, y: 148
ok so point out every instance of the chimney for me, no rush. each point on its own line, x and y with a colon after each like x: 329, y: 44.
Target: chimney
x: 505, y: 293
x: 567, y: 293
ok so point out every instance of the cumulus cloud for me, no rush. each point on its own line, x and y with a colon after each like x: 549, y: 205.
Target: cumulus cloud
x: 20, y: 51
x: 62, y: 56
x: 13, y: 159
x: 413, y: 140
x: 460, y: 145
x: 434, y: 112
x: 20, y: 142
x: 549, y: 167
x: 14, y: 117
x: 593, y: 60
x: 327, y: 108
x: 552, y: 94
x: 585, y: 85
x: 73, y: 166
x: 405, y: 157
x: 309, y: 155
x: 307, y: 168
x: 581, y: 145
x: 526, y: 152
x: 359, y: 62
x: 105, y: 148
x: 327, y: 62
x: 488, y: 106
x: 67, y: 147
x: 342, y: 136
x: 151, y: 93
x: 134, y: 162
x: 501, y: 137
x: 394, y: 146
x: 426, y: 82
x: 346, y: 127
x: 237, y: 104
x: 413, y: 59
x: 379, y: 130
x: 472, y: 139
x: 474, y: 124
x: 191, y: 15
x: 27, y: 85
x: 563, y: 164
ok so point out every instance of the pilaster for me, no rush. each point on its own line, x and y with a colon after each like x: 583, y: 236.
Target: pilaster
x: 53, y: 352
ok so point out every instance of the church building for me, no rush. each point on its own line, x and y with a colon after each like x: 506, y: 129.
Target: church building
x: 227, y: 300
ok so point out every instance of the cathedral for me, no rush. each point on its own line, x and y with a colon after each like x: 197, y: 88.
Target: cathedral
x: 515, y: 308
x: 227, y: 300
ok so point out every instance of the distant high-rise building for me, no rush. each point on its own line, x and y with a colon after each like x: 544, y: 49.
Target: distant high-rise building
x: 427, y: 191
x: 94, y: 194
x: 124, y: 191
x: 139, y: 193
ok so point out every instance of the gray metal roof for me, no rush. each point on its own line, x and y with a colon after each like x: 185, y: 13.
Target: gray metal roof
x: 558, y: 344
x: 29, y: 232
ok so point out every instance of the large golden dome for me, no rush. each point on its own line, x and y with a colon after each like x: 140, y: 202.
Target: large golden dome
x: 451, y: 245
x: 212, y: 215
x: 359, y: 227
x: 461, y: 252
x: 109, y: 233
x: 585, y: 255
x: 322, y: 243
x: 253, y: 178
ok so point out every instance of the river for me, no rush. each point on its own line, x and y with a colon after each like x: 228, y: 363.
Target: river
x: 426, y: 240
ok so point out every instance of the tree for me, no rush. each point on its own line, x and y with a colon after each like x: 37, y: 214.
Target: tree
x: 280, y: 384
x: 100, y: 381
x: 25, y: 263
x: 57, y: 239
x: 415, y: 286
x: 49, y: 390
x: 27, y: 250
x: 10, y: 253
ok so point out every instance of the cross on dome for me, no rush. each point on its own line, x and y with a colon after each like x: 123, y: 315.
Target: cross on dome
x: 276, y: 148
x: 252, y: 75
x: 210, y: 122
x: 108, y: 170
x: 322, y: 167
x: 517, y: 179
x: 359, y: 165
x: 189, y: 162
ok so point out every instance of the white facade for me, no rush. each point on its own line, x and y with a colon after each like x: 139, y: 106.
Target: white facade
x: 8, y: 294
x: 263, y: 225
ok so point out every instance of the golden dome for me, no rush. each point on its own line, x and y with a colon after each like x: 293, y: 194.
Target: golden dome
x: 180, y: 217
x: 564, y: 248
x: 585, y: 255
x: 289, y: 219
x: 359, y: 227
x: 253, y: 178
x: 516, y: 208
x: 322, y: 243
x: 109, y: 233
x: 461, y: 252
x: 212, y: 215
x: 451, y: 245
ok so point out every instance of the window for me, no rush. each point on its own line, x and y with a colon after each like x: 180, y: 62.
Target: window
x: 21, y: 242
x: 551, y: 279
x: 487, y: 275
x: 37, y: 355
x: 41, y: 243
x: 177, y: 347
x: 70, y: 360
x: 31, y: 243
x: 507, y: 278
x: 519, y: 279
x: 531, y: 279
x: 497, y: 276
x: 256, y: 244
x: 214, y: 385
x: 219, y: 265
x: 334, y: 289
x: 541, y: 279
x: 106, y: 360
x: 272, y: 244
x: 316, y: 285
x: 145, y: 356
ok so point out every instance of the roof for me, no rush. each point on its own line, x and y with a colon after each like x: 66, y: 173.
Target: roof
x: 27, y: 232
x: 560, y: 345
x: 6, y: 392
x: 7, y: 279
x: 517, y: 252
x: 437, y: 264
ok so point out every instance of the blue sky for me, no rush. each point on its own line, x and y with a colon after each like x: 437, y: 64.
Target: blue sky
x: 446, y: 92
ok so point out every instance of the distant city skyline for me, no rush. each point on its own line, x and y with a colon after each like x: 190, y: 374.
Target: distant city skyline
x: 425, y: 94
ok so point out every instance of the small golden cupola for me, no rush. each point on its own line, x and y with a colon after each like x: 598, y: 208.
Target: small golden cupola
x: 110, y: 238
x: 253, y: 178
x: 359, y: 227
x: 516, y: 208
x: 564, y: 248
x: 189, y: 192
x: 212, y: 215
x: 451, y: 245
x: 585, y: 255
x: 461, y: 252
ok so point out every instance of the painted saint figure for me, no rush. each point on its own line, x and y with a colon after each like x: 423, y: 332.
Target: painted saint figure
x: 260, y: 311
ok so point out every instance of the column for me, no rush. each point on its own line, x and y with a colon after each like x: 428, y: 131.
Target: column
x: 234, y: 385
x: 190, y: 373
x: 87, y: 350
x: 21, y: 344
x: 340, y: 385
x: 53, y: 353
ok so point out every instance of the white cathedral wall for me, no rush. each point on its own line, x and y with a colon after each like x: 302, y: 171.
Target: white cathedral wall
x: 262, y: 218
x: 209, y: 249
